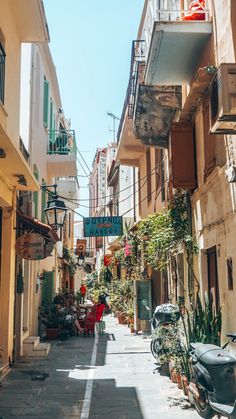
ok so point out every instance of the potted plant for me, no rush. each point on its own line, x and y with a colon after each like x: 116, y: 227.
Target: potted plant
x: 52, y: 318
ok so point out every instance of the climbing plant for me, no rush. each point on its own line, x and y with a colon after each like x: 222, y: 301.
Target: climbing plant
x: 163, y: 232
x: 71, y: 265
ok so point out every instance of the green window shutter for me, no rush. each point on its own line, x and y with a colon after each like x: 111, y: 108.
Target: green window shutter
x: 44, y: 199
x: 36, y: 198
x: 45, y: 102
x: 47, y: 288
x: 51, y: 119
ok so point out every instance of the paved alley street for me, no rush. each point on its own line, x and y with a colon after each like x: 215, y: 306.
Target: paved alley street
x: 110, y: 376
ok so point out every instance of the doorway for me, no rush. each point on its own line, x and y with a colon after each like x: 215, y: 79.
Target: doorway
x: 212, y: 276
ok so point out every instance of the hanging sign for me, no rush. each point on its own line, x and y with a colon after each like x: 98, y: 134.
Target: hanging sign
x: 80, y: 247
x: 33, y: 246
x: 103, y: 226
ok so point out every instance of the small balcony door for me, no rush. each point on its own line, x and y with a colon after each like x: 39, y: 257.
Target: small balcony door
x: 212, y: 273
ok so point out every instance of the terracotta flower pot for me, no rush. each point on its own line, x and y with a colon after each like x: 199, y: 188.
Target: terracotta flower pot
x: 178, y: 379
x: 122, y: 319
x: 185, y: 384
x: 173, y: 376
x: 52, y: 333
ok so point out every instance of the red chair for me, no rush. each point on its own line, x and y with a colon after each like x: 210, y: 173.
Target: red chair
x: 93, y: 316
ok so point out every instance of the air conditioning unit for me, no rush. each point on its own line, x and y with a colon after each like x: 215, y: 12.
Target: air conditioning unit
x: 223, y: 100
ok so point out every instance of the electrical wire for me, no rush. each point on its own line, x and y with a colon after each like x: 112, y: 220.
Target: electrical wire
x: 73, y: 201
x: 126, y: 212
x: 82, y: 167
x: 122, y: 190
x: 83, y: 160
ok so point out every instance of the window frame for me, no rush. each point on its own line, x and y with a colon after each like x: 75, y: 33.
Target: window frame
x: 2, y: 72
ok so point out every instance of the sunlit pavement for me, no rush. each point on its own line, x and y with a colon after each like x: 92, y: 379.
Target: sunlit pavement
x: 107, y: 377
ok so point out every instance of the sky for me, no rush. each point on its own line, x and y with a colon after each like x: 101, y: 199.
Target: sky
x: 91, y: 48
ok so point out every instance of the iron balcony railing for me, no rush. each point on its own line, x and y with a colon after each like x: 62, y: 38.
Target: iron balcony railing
x: 137, y: 57
x: 72, y: 179
x: 61, y: 142
x: 171, y: 10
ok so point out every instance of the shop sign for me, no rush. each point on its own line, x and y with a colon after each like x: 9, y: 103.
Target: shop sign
x: 107, y: 260
x: 80, y: 247
x: 33, y: 246
x: 103, y: 226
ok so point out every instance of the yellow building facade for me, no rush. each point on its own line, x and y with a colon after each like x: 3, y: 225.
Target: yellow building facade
x: 15, y: 173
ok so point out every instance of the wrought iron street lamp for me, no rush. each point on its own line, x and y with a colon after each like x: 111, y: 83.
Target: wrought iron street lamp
x: 56, y: 210
x: 80, y: 259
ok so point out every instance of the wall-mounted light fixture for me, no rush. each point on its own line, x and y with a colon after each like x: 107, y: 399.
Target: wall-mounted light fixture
x: 56, y: 210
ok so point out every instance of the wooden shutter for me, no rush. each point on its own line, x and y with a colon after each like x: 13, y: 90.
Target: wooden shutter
x: 209, y: 144
x: 45, y: 102
x: 182, y: 156
x: 148, y: 173
x: 47, y: 289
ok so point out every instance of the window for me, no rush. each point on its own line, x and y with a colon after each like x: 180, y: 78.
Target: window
x: 213, y: 284
x: 45, y: 102
x: 2, y: 72
x: 148, y: 172
x: 230, y: 274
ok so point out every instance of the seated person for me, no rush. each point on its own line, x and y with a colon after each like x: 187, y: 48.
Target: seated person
x: 94, y: 315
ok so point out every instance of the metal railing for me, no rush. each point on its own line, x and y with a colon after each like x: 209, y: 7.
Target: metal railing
x: 137, y: 57
x: 171, y: 10
x: 61, y: 142
x: 72, y: 179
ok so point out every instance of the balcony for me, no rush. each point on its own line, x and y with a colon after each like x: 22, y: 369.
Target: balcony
x: 152, y: 108
x: 61, y: 153
x: 154, y: 113
x: 68, y: 187
x: 174, y: 38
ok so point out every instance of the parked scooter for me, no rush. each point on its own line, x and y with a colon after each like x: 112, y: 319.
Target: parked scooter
x: 212, y: 388
x: 164, y: 321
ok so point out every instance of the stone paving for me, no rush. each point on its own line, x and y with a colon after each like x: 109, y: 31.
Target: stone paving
x: 118, y: 384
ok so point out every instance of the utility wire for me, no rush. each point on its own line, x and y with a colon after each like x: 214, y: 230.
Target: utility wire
x: 146, y: 198
x: 122, y: 190
x: 83, y: 159
x: 73, y: 201
x: 82, y: 167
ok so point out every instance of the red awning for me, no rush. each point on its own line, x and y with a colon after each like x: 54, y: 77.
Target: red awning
x: 44, y: 229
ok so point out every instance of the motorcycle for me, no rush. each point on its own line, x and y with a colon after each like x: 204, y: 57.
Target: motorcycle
x: 212, y: 388
x: 164, y: 329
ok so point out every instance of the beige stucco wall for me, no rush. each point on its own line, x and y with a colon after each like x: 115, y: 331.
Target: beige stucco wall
x: 214, y: 202
x: 12, y: 80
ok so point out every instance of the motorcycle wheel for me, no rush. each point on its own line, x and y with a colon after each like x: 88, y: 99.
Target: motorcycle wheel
x: 155, y: 347
x: 203, y: 408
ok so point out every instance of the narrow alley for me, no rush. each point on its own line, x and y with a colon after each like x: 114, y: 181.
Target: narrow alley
x: 109, y: 376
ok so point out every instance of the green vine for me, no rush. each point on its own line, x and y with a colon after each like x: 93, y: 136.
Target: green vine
x: 69, y: 257
x: 165, y: 231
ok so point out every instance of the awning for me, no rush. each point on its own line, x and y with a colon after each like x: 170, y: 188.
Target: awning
x: 38, y: 226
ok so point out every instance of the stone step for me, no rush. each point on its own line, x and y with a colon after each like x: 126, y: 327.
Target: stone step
x: 42, y: 349
x: 33, y: 347
x: 32, y: 341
